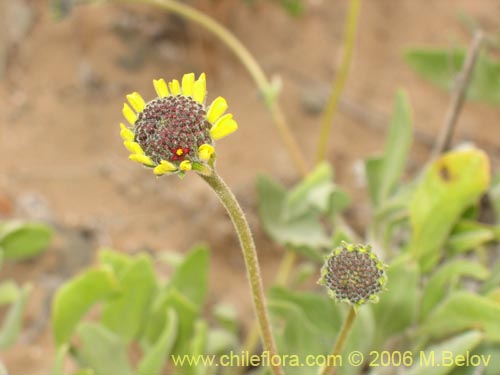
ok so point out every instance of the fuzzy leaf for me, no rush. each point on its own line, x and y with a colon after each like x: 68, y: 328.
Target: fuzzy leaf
x: 102, y: 350
x: 76, y: 297
x: 155, y: 358
x: 459, y: 345
x: 24, y: 240
x: 462, y: 311
x: 13, y: 319
x: 441, y: 67
x: 125, y: 313
x: 397, y: 308
x: 302, y: 234
x: 436, y: 287
x: 191, y: 276
x: 449, y: 186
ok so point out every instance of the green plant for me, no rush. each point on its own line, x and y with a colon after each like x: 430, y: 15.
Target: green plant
x: 443, y: 290
x: 140, y: 313
x: 18, y: 241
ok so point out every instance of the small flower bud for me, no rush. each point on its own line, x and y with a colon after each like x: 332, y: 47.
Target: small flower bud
x: 354, y: 274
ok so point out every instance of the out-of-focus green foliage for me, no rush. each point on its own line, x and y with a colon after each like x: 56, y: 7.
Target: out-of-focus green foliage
x: 137, y: 310
x: 441, y: 67
x: 18, y: 241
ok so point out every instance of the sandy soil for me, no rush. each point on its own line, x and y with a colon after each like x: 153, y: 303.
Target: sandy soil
x: 62, y: 159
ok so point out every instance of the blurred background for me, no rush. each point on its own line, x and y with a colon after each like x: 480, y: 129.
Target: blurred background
x: 63, y: 82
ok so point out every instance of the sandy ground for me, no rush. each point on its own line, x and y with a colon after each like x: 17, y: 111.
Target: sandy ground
x: 62, y: 88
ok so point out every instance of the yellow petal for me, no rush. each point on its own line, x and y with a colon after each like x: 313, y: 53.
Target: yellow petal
x: 205, y: 151
x: 187, y: 84
x: 200, y: 89
x: 164, y: 167
x: 175, y: 88
x: 217, y: 108
x: 185, y: 165
x: 126, y: 133
x: 133, y: 147
x: 136, y: 101
x: 160, y: 87
x: 223, y: 127
x: 129, y: 114
x: 143, y: 159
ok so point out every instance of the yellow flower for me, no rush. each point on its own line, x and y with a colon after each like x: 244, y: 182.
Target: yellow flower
x: 175, y: 132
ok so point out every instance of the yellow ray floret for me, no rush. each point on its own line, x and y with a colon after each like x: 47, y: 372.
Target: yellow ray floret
x: 175, y: 88
x: 164, y: 167
x: 217, y: 108
x: 133, y: 147
x: 160, y: 87
x: 200, y: 89
x: 136, y: 101
x: 141, y: 158
x: 205, y: 151
x: 223, y: 127
x: 126, y: 133
x: 185, y: 165
x: 129, y: 114
x: 187, y: 84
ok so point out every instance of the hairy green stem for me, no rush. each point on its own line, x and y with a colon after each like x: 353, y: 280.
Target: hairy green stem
x: 247, y: 244
x: 341, y: 340
x: 248, y: 61
x: 339, y: 82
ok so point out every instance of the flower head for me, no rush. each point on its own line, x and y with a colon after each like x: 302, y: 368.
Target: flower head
x: 354, y: 274
x: 175, y: 132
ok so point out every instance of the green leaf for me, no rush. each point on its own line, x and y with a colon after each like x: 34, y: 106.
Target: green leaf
x: 76, y: 297
x: 191, y: 276
x: 397, y: 147
x: 305, y: 323
x: 187, y: 313
x: 374, y: 167
x: 3, y: 369
x: 102, y: 350
x: 449, y: 186
x: 9, y: 292
x: 114, y: 259
x: 125, y: 313
x: 469, y: 235
x: 24, y: 240
x: 459, y: 345
x: 13, y: 320
x: 441, y: 67
x: 197, y: 347
x: 494, y: 280
x: 313, y: 191
x: 398, y: 306
x: 155, y: 358
x: 462, y: 311
x: 304, y: 233
x: 58, y: 366
x: 450, y: 273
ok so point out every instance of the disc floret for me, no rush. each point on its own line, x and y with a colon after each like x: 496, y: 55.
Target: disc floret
x: 353, y: 274
x: 175, y: 132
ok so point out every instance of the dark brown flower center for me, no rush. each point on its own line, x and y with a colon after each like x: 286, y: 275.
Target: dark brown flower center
x: 353, y: 275
x: 172, y: 129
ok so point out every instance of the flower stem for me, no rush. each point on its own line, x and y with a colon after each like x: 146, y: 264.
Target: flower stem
x: 339, y: 82
x: 248, y: 61
x: 247, y: 244
x: 341, y: 340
